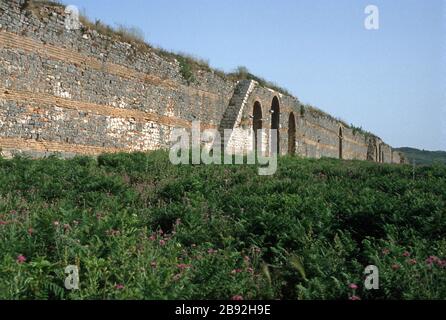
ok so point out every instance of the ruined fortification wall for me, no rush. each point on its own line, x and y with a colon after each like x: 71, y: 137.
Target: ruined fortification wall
x: 316, y: 134
x: 80, y: 92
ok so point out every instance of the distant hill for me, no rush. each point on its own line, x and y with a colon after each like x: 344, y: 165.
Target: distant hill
x: 423, y: 156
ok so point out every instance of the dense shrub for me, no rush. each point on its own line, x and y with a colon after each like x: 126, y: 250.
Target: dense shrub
x: 139, y: 227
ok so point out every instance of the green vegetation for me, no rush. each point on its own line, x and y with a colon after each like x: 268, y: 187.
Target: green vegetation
x: 35, y: 4
x: 242, y: 73
x: 423, y: 157
x: 123, y: 33
x: 139, y: 227
x: 360, y: 130
x: 186, y: 70
x: 315, y: 111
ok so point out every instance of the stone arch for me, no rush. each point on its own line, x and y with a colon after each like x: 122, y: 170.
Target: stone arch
x: 275, y: 124
x: 341, y: 138
x: 257, y: 123
x: 291, y: 134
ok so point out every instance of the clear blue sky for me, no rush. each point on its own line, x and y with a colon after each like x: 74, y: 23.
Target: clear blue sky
x: 390, y: 81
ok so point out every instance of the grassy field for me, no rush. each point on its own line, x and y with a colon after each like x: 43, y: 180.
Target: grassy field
x: 140, y: 228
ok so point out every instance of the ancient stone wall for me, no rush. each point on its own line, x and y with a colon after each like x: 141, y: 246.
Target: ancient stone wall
x: 306, y: 132
x: 81, y: 92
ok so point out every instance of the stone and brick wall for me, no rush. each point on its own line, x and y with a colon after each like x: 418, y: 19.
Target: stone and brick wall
x: 80, y: 92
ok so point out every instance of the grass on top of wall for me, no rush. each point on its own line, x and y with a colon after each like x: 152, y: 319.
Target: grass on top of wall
x: 189, y: 64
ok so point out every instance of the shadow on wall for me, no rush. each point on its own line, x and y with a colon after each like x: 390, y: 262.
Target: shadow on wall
x: 275, y: 123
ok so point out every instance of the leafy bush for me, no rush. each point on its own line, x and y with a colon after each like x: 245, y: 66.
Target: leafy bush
x: 139, y: 227
x: 186, y: 70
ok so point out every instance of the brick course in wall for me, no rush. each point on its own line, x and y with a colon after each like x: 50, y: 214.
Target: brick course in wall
x: 74, y: 92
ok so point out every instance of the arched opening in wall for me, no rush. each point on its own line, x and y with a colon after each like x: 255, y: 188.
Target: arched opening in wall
x: 382, y: 157
x: 341, y: 138
x: 292, y: 134
x: 376, y: 154
x: 257, y: 123
x: 275, y: 124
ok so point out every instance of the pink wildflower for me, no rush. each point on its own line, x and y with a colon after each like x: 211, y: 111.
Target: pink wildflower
x: 354, y: 298
x: 183, y: 266
x: 431, y: 260
x: 119, y: 287
x: 237, y: 298
x: 162, y: 242
x: 21, y: 259
x: 406, y: 254
x: 3, y: 223
x: 235, y: 271
x: 412, y: 262
x: 353, y: 286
